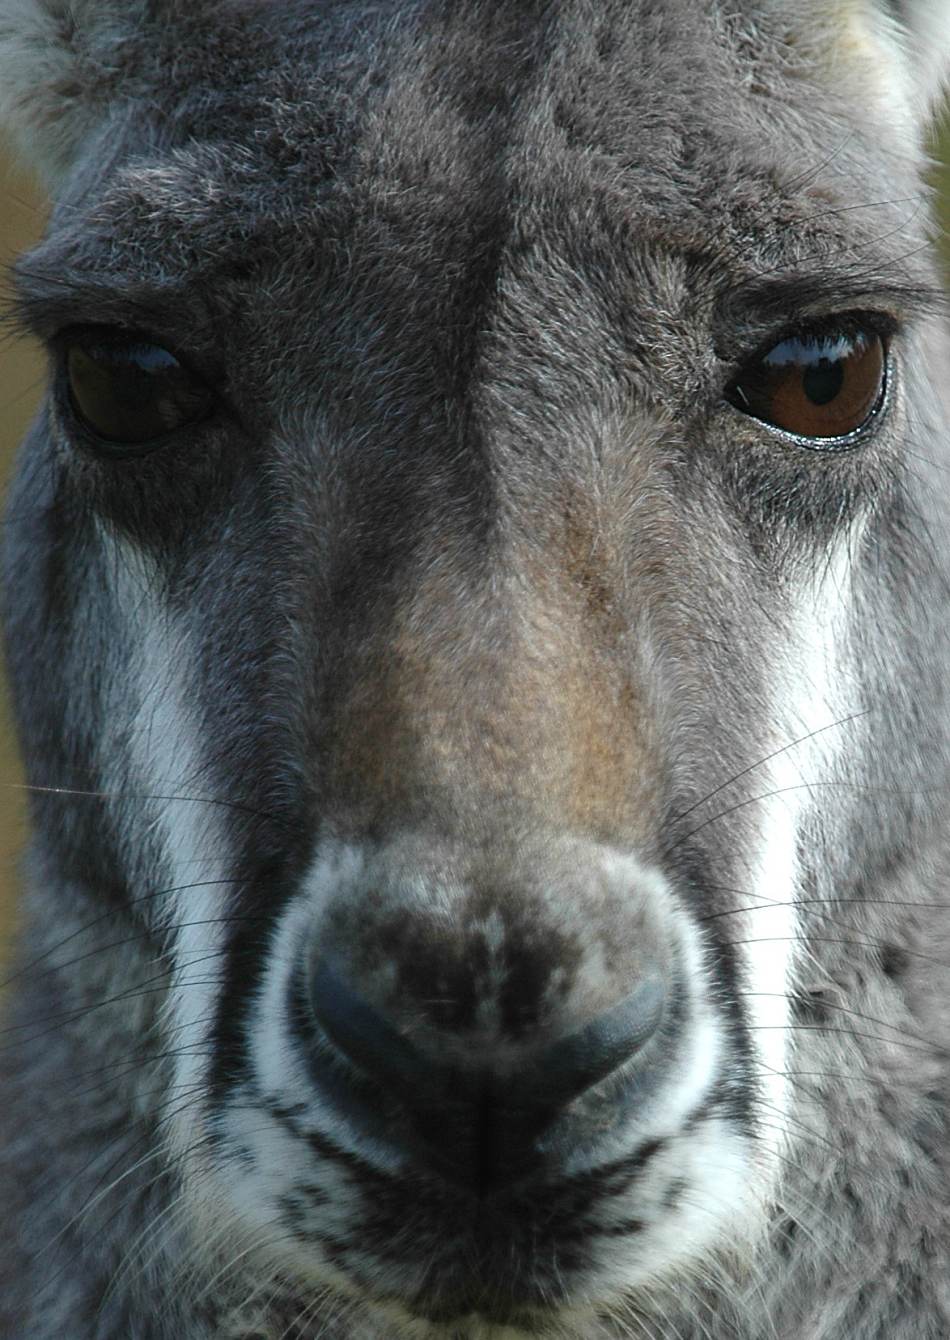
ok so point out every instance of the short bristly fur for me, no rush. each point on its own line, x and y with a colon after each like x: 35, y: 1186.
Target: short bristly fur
x: 490, y: 791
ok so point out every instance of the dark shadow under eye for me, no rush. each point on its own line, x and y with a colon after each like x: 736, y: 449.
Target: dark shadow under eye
x: 817, y: 386
x: 129, y: 392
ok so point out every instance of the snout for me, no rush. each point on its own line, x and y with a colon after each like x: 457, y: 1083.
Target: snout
x: 490, y: 1018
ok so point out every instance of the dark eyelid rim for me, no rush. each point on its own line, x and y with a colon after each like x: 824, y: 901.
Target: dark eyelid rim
x: 48, y: 306
x: 214, y: 378
x: 830, y: 445
x: 777, y: 300
x: 884, y: 325
x: 59, y: 342
x: 108, y: 448
x: 754, y: 313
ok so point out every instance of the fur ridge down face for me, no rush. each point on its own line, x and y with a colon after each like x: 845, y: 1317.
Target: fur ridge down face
x: 477, y: 605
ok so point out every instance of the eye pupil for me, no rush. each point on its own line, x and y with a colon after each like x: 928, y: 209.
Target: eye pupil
x: 129, y: 393
x: 817, y: 386
x: 823, y: 383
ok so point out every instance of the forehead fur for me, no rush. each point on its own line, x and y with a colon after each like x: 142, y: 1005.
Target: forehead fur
x: 351, y: 165
x: 66, y: 66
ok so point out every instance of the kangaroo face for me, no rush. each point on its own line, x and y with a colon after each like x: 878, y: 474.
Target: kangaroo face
x: 470, y: 447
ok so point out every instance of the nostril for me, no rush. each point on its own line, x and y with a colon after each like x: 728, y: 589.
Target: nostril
x: 479, y: 1121
x: 576, y: 1063
x: 365, y: 1037
x: 557, y: 1074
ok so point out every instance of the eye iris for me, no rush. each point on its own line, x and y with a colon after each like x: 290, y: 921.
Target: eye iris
x: 130, y: 392
x: 815, y: 386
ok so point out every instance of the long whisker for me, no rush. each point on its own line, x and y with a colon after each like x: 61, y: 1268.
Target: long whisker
x: 768, y: 758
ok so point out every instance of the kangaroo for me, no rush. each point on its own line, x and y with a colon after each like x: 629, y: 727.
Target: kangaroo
x: 477, y: 607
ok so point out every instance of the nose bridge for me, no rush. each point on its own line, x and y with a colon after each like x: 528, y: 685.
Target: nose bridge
x: 516, y: 688
x: 494, y: 961
x: 500, y: 944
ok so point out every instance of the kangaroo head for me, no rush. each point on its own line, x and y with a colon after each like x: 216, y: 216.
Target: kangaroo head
x: 468, y: 603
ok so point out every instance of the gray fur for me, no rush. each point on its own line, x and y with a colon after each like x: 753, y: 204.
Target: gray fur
x: 476, y: 630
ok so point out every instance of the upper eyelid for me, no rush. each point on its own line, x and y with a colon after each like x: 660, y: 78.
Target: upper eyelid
x: 815, y: 294
x: 132, y: 335
x: 742, y: 342
x: 885, y: 325
x: 46, y: 305
x: 47, y: 309
x: 214, y: 377
x: 756, y: 313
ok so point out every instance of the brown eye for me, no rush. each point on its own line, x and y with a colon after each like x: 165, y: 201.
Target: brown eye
x: 128, y: 392
x: 817, y: 386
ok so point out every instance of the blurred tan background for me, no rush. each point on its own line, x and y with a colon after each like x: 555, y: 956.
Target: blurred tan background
x: 21, y: 221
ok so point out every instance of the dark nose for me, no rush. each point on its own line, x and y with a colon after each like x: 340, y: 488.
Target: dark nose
x: 483, y: 1124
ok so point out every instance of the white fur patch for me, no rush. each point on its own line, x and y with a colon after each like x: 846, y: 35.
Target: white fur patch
x: 922, y: 50
x: 813, y: 708
x: 900, y: 68
x: 166, y: 780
